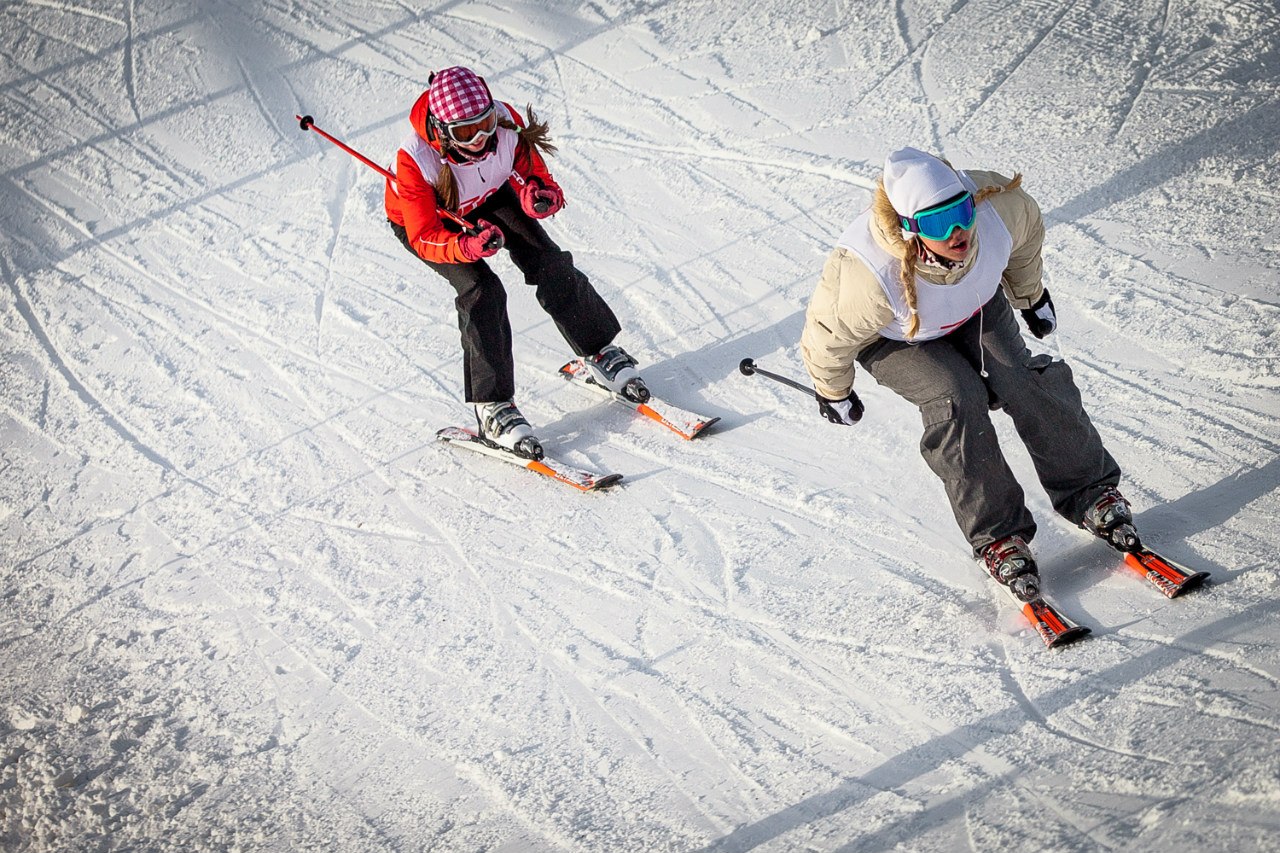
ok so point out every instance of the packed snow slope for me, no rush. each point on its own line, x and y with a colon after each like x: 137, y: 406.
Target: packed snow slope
x: 248, y: 602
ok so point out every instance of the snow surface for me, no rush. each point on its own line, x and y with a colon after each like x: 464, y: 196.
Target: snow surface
x: 249, y: 602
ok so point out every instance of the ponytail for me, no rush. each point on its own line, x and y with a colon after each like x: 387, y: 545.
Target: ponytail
x: 446, y: 188
x: 534, y: 132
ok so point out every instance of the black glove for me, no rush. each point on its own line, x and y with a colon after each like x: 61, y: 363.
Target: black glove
x: 1040, y: 318
x: 846, y: 412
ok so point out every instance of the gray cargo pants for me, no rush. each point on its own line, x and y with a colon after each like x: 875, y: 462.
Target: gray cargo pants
x: 942, y: 377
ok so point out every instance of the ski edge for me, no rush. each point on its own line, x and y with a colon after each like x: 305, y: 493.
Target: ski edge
x: 579, y: 478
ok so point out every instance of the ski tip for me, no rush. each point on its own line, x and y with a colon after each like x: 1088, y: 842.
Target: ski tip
x: 605, y: 482
x: 1050, y: 625
x: 703, y: 427
x: 684, y: 424
x: 582, y: 480
x: 1192, y: 582
x: 1076, y: 632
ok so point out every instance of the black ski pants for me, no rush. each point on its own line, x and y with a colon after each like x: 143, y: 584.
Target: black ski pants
x: 563, y: 291
x: 943, y: 378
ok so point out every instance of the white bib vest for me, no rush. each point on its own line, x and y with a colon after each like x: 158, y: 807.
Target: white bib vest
x: 476, y: 180
x: 940, y: 307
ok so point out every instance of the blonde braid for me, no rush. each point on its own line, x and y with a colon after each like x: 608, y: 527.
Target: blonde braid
x: 909, y: 284
x: 988, y: 191
x: 883, y: 212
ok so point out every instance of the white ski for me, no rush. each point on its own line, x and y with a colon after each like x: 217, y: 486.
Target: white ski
x: 579, y: 478
x: 686, y: 424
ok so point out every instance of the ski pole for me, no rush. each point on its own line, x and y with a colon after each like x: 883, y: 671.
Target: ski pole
x: 308, y: 123
x: 748, y: 368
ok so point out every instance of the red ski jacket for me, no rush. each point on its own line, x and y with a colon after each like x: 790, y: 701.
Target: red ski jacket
x: 411, y: 199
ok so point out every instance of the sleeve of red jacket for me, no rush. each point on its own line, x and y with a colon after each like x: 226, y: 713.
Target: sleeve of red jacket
x: 528, y: 161
x: 422, y: 223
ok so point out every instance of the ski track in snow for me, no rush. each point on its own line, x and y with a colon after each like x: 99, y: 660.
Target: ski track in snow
x: 250, y: 602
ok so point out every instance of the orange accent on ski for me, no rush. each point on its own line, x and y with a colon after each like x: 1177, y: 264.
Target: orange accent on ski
x: 542, y: 468
x: 1151, y: 563
x: 650, y: 413
x: 1046, y: 616
x: 1134, y: 562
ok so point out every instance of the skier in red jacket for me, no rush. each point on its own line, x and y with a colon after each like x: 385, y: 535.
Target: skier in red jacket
x: 477, y: 157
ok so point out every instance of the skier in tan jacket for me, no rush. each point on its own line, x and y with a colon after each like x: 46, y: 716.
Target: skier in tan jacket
x: 919, y: 291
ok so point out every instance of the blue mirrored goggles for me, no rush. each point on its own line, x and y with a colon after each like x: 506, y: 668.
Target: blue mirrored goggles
x: 937, y: 223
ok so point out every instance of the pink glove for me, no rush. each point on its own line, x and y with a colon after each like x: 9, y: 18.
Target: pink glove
x: 539, y: 202
x: 485, y: 242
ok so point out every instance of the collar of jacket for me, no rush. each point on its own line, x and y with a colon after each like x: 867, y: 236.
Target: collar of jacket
x: 943, y: 266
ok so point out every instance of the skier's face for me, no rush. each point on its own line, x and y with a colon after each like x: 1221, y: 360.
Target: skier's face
x: 954, y: 248
x: 473, y: 134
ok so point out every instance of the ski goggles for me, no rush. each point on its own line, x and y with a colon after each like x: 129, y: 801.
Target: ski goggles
x: 937, y: 223
x: 473, y: 130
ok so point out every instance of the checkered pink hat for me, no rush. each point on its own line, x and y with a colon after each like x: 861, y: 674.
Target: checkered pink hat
x: 458, y: 93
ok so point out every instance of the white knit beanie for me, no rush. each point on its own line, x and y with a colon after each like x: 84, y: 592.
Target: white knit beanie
x: 916, y: 181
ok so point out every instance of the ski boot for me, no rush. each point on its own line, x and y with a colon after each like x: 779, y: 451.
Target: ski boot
x: 1010, y: 562
x: 1111, y: 520
x: 612, y: 368
x: 502, y: 425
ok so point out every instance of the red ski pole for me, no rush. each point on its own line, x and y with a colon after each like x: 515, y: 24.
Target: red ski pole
x: 308, y: 123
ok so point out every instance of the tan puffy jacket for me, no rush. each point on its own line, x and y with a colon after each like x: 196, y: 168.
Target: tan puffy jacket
x: 849, y: 307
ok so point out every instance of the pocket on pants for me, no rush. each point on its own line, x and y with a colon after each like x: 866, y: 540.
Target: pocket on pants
x: 1050, y: 372
x: 1039, y: 363
x: 1056, y: 385
x: 940, y: 445
x: 936, y: 411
